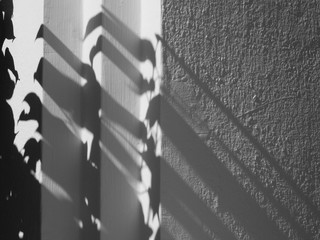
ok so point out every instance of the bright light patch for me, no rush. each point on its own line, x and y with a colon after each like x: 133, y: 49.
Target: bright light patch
x: 21, y: 234
x: 83, y: 82
x: 98, y: 223
x: 87, y: 137
x: 60, y: 113
x: 26, y: 53
x: 90, y: 9
x: 53, y: 187
x: 26, y: 159
x: 138, y: 186
x: 38, y: 174
x: 25, y: 130
x: 94, y: 165
x: 80, y: 223
x: 26, y: 108
x: 146, y: 175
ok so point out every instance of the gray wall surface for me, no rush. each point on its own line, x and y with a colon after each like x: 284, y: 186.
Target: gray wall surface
x: 120, y: 207
x: 92, y: 81
x: 62, y: 147
x: 240, y: 116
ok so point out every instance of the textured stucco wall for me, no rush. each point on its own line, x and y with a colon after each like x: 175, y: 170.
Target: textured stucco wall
x: 241, y: 117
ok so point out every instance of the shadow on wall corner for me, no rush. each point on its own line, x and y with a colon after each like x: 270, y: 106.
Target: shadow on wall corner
x: 91, y: 94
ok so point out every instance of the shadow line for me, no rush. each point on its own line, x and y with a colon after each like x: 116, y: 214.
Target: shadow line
x: 175, y: 192
x: 125, y: 217
x: 231, y: 195
x: 258, y: 146
x: 121, y: 116
x: 90, y: 102
x: 103, y: 45
x: 141, y: 49
x: 58, y: 86
x: 91, y: 97
x: 267, y: 192
x: 118, y: 150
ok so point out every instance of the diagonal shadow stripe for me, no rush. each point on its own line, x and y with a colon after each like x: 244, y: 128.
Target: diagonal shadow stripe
x: 175, y: 191
x: 257, y: 145
x: 207, y: 165
x: 109, y: 50
x: 141, y: 49
x: 267, y: 192
x: 60, y: 48
x: 90, y: 103
x: 58, y: 86
x: 116, y: 147
x: 121, y: 116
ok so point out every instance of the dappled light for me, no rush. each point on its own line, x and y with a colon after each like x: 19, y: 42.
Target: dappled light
x: 203, y: 127
x: 131, y: 145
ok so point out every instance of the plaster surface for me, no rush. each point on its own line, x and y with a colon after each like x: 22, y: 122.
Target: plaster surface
x: 240, y: 117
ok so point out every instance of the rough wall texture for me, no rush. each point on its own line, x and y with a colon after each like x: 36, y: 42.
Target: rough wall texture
x: 240, y: 117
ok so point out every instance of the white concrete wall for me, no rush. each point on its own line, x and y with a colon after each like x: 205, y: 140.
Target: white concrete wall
x: 93, y: 124
x: 126, y: 70
x: 120, y: 107
x: 95, y: 73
